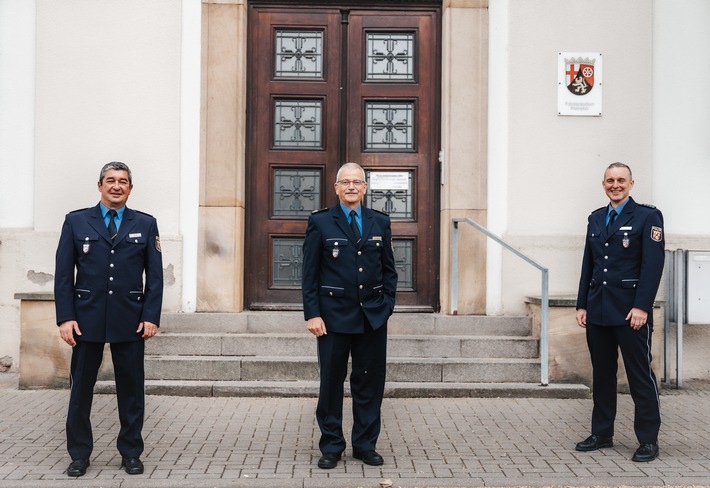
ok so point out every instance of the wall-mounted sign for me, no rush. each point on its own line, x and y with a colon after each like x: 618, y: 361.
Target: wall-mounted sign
x: 386, y: 180
x: 579, y: 87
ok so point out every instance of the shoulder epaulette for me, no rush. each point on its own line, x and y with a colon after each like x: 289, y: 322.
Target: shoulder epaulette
x: 647, y: 205
x: 319, y: 210
x: 80, y: 210
x: 380, y: 212
x: 600, y: 208
x: 143, y: 213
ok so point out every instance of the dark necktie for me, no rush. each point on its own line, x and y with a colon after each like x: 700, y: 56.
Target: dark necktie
x: 354, y: 227
x: 112, y: 230
x: 612, y: 217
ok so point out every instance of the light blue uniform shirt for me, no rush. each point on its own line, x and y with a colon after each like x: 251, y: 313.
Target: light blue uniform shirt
x: 618, y: 209
x: 358, y: 210
x: 107, y: 217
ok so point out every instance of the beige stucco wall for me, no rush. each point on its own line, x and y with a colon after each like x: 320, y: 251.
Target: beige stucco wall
x: 220, y: 285
x: 464, y: 129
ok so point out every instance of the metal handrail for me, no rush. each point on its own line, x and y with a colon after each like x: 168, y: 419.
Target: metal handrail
x: 544, y: 345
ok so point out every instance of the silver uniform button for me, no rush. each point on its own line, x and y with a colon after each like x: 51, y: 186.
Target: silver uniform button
x: 359, y: 253
x: 110, y: 292
x: 360, y: 270
x: 111, y: 265
x: 604, y: 283
x: 606, y: 244
x: 361, y: 287
x: 112, y: 251
x: 330, y: 293
x: 605, y: 270
x: 110, y: 278
x: 606, y: 257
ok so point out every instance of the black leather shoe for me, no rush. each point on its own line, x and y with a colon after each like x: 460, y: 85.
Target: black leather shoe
x: 369, y: 457
x: 329, y: 460
x: 645, y: 453
x: 132, y: 465
x: 78, y: 467
x: 594, y: 442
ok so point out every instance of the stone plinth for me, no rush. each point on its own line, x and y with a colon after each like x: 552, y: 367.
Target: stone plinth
x: 568, y: 354
x: 44, y: 357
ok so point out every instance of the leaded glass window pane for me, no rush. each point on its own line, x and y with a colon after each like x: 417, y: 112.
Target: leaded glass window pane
x: 288, y: 261
x: 298, y: 123
x: 395, y: 198
x: 390, y: 56
x: 296, y: 192
x: 299, y: 54
x: 404, y: 262
x: 390, y: 126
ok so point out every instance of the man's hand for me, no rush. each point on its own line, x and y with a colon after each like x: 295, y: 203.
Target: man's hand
x: 316, y: 326
x: 66, y: 331
x: 582, y: 318
x: 149, y: 329
x: 637, y: 317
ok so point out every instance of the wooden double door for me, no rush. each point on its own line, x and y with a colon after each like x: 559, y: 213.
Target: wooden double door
x: 333, y: 83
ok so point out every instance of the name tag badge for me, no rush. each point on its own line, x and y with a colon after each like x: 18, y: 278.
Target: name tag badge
x: 628, y: 227
x: 133, y: 236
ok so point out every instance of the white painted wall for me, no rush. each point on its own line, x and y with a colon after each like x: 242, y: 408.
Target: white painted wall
x: 545, y: 170
x: 681, y: 119
x: 17, y: 91
x: 85, y: 82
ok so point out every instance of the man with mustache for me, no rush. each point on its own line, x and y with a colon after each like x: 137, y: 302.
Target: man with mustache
x: 349, y: 284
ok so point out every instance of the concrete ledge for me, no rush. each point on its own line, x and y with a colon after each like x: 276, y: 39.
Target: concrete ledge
x: 309, y: 389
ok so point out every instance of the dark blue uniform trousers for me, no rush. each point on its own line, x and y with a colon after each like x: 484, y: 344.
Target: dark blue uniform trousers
x: 367, y: 386
x: 130, y: 375
x: 604, y: 343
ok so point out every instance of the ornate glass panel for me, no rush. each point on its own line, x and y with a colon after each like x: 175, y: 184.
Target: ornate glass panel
x: 288, y: 261
x: 296, y: 192
x: 390, y: 126
x: 391, y: 192
x: 298, y: 123
x: 390, y: 56
x: 299, y: 54
x: 404, y: 262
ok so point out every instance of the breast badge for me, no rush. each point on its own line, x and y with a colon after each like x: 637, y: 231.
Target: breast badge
x: 86, y: 247
x: 625, y: 240
x: 336, y: 250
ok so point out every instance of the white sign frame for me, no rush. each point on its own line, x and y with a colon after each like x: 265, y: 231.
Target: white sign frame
x: 579, y: 84
x: 389, y: 180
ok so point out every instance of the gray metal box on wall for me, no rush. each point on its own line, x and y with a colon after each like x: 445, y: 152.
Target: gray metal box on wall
x: 698, y: 287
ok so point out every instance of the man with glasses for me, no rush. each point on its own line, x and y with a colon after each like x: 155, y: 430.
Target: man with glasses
x: 349, y: 284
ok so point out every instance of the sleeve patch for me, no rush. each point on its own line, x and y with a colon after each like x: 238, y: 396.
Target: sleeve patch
x: 656, y: 233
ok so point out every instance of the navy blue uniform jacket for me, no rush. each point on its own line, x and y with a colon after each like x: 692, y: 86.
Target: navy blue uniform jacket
x: 343, y: 280
x: 621, y: 267
x: 108, y: 297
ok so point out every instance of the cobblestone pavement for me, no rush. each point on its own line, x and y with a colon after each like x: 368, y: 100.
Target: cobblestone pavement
x: 273, y: 442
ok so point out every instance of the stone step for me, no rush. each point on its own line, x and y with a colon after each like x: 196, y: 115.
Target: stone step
x: 392, y: 389
x: 304, y: 344
x: 264, y: 368
x: 431, y: 324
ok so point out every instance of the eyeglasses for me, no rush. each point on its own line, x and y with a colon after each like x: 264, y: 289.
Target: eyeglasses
x: 348, y: 182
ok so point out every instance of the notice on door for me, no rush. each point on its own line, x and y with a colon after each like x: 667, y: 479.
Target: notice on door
x: 387, y: 180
